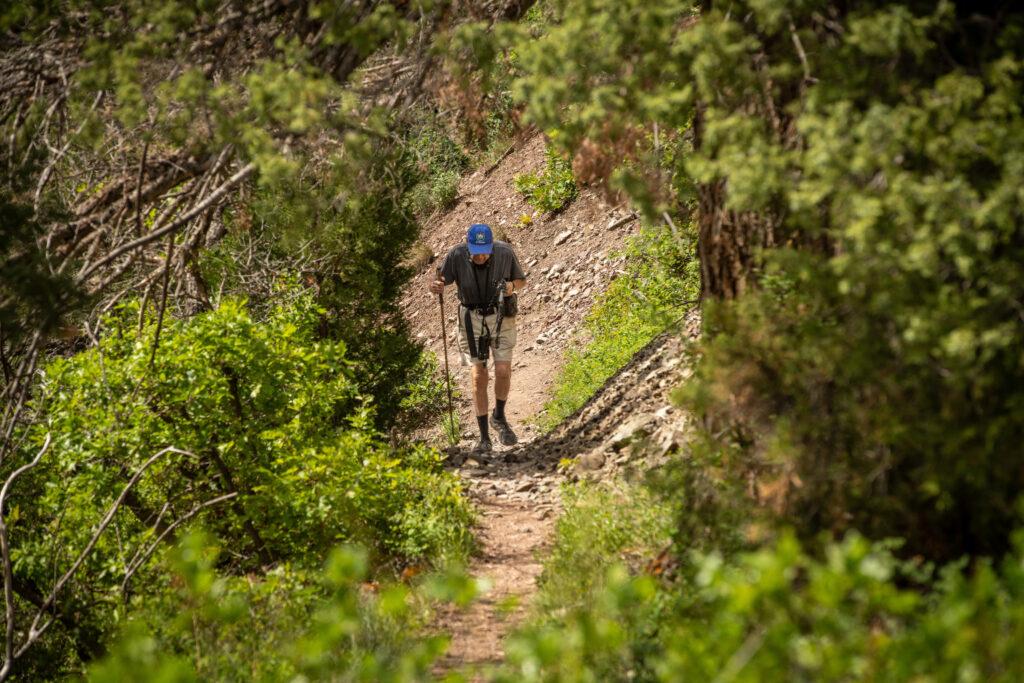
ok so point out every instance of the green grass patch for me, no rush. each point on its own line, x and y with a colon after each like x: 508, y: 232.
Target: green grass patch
x: 662, y: 275
x: 601, y: 525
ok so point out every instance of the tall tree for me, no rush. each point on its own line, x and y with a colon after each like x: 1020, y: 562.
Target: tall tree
x: 851, y: 169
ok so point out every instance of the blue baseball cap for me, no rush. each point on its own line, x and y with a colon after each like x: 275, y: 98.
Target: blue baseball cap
x: 480, y: 239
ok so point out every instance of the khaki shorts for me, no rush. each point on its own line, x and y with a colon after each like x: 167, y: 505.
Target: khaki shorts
x: 501, y: 348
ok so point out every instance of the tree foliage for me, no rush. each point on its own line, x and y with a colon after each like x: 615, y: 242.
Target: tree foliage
x: 853, y: 174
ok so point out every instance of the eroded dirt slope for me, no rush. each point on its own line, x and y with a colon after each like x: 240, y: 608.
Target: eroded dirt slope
x: 567, y: 262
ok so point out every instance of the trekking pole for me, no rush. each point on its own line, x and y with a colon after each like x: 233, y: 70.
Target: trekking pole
x: 447, y: 373
x: 499, y: 290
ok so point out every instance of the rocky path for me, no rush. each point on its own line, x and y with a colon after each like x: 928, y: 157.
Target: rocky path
x: 517, y: 505
x: 516, y: 495
x: 627, y: 427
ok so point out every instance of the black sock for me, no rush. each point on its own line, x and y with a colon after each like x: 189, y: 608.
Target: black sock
x: 499, y: 409
x: 481, y: 421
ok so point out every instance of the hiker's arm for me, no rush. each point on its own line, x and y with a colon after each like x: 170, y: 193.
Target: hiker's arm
x: 516, y: 276
x: 444, y: 275
x: 513, y: 286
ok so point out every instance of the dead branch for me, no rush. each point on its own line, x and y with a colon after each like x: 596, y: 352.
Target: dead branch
x: 5, y: 556
x: 145, y: 551
x: 39, y: 626
x: 216, y: 195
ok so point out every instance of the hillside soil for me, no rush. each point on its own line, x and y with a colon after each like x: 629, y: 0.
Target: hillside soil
x: 569, y: 259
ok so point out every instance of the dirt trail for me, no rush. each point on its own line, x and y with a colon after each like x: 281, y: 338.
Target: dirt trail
x: 513, y: 533
x: 569, y: 259
x: 517, y: 493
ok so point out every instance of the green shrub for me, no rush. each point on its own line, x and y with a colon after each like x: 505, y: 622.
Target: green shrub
x: 267, y: 410
x: 289, y: 624
x: 261, y: 412
x: 438, y: 162
x: 553, y: 188
x: 500, y: 124
x: 426, y: 394
x: 780, y: 614
x: 436, y: 193
x: 346, y: 233
x: 434, y: 150
x: 660, y: 283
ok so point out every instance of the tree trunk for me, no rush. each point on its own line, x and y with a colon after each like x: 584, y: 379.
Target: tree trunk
x: 727, y: 241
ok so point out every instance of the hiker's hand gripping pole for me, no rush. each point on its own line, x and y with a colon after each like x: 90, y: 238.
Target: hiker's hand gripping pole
x: 444, y: 339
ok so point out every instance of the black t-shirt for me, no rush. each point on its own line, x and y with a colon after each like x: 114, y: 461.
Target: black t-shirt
x: 477, y: 283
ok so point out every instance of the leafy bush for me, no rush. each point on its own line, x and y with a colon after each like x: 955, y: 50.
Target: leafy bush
x: 660, y: 282
x: 276, y: 456
x: 777, y: 613
x: 324, y: 625
x: 600, y: 526
x: 426, y: 394
x: 344, y: 233
x: 434, y: 150
x: 500, y: 125
x: 266, y: 410
x: 436, y: 193
x: 438, y: 162
x: 553, y: 188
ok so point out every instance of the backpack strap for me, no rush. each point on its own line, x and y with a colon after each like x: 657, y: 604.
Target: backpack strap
x: 468, y: 329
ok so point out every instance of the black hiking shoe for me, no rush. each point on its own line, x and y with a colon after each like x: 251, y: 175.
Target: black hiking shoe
x: 483, y: 447
x: 505, y: 433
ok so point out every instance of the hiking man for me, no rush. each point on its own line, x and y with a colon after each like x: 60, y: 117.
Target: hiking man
x: 481, y: 267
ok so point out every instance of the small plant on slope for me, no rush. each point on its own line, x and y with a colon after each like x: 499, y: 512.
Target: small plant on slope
x: 553, y: 188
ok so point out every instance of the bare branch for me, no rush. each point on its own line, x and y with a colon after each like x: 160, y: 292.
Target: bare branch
x: 216, y: 195
x: 5, y: 555
x: 37, y: 629
x: 59, y: 154
x: 800, y: 52
x: 145, y: 552
x: 163, y: 300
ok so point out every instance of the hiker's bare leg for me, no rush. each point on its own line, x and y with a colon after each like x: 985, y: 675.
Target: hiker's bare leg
x: 502, y: 381
x: 480, y: 378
